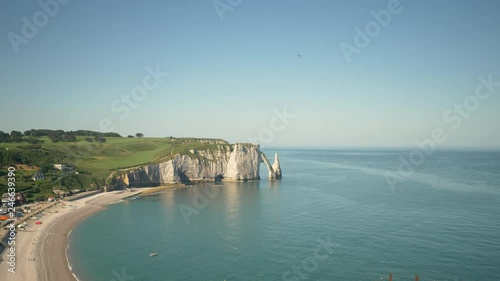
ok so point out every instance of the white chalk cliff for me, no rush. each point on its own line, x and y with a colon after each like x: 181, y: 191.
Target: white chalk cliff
x: 238, y: 162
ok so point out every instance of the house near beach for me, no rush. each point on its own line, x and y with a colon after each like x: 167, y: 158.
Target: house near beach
x: 60, y: 192
x: 38, y: 176
x: 19, y: 198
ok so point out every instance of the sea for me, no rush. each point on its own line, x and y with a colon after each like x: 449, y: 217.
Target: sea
x: 337, y: 214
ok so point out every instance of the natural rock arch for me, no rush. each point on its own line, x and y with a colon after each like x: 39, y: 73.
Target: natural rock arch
x: 275, y: 169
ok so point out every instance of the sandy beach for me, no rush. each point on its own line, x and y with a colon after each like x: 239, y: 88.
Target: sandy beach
x: 41, y: 249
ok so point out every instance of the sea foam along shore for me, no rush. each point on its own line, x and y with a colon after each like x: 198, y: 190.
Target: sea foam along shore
x: 41, y: 250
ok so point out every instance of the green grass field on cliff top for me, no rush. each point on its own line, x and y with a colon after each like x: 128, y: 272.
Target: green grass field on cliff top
x: 115, y: 153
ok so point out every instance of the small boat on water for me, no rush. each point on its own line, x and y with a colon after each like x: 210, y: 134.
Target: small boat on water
x: 153, y: 254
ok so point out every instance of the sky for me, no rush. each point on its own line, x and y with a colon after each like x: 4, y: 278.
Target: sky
x: 273, y: 72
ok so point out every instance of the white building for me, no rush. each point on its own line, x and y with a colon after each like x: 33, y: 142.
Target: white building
x: 63, y: 167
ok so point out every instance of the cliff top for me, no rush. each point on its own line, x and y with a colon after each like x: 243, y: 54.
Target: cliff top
x: 92, y: 161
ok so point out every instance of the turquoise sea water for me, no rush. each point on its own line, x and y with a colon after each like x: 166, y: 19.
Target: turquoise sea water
x: 443, y: 223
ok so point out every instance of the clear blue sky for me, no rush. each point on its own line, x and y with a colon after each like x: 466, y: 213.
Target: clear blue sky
x: 227, y: 76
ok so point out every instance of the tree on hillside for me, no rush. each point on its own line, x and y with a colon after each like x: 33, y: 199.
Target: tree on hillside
x: 32, y: 140
x: 130, y: 136
x: 4, y: 137
x: 111, y: 135
x: 55, y: 137
x: 16, y: 136
x: 45, y: 167
x: 139, y: 135
x: 99, y: 139
x: 69, y: 137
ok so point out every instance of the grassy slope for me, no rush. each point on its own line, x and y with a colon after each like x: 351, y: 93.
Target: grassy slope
x: 95, y: 161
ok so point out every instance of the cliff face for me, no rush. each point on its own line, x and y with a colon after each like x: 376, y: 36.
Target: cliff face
x: 236, y: 162
x: 243, y: 164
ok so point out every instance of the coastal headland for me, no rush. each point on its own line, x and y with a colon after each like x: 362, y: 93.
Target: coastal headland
x: 110, y: 168
x: 59, y: 163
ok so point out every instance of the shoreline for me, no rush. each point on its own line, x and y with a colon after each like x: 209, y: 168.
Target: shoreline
x: 41, y: 251
x: 144, y: 191
x: 54, y: 252
x: 70, y: 266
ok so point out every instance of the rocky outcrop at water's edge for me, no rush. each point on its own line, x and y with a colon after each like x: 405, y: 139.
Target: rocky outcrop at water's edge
x: 228, y: 162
